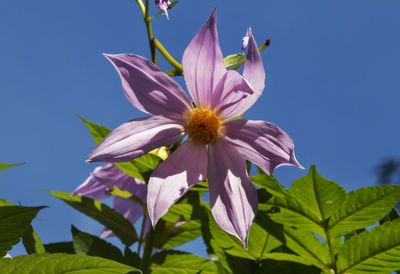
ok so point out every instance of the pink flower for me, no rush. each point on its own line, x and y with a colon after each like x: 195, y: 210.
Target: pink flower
x: 216, y: 145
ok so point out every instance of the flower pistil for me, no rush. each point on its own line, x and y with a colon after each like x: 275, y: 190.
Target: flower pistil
x: 203, y: 125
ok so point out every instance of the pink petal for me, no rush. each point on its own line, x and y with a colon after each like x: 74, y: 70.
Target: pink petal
x: 135, y: 138
x: 203, y: 64
x: 174, y: 177
x: 148, y: 88
x: 233, y: 198
x: 262, y: 143
x: 238, y: 103
x: 231, y: 85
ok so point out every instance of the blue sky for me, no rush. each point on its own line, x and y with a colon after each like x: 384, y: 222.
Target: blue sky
x: 332, y: 83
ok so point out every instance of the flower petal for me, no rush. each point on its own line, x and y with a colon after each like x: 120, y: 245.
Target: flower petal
x: 203, y: 64
x: 233, y: 198
x: 231, y: 85
x: 237, y: 103
x: 262, y: 143
x: 135, y: 138
x: 148, y: 88
x: 184, y: 168
x: 163, y: 5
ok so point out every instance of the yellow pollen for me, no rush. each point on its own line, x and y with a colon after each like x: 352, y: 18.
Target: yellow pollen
x: 203, y: 126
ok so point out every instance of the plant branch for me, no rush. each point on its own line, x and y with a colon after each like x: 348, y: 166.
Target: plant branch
x: 167, y: 56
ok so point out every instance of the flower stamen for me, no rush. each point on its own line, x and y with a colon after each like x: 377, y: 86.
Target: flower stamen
x: 203, y: 125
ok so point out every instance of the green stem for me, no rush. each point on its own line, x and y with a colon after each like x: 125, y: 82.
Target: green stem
x: 142, y: 229
x: 260, y: 49
x: 167, y: 56
x: 150, y: 35
x: 151, y: 235
x: 141, y: 6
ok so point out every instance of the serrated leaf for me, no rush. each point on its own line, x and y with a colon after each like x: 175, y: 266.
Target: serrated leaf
x: 287, y: 257
x: 87, y: 244
x: 377, y: 250
x: 270, y: 183
x: 139, y: 168
x: 362, y: 208
x: 102, y: 213
x: 60, y: 247
x: 287, y: 267
x: 317, y: 194
x: 32, y: 242
x: 62, y: 263
x: 171, y: 261
x: 308, y: 246
x: 4, y: 166
x: 293, y: 214
x: 14, y: 221
x: 231, y: 60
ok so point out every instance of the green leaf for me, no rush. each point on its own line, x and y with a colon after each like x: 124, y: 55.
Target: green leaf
x: 127, y: 195
x: 362, y: 208
x: 260, y: 241
x: 87, y: 244
x: 173, y: 235
x: 231, y: 60
x: 32, y: 242
x: 60, y: 247
x: 5, y: 203
x: 171, y: 261
x: 317, y: 194
x: 139, y: 168
x: 270, y: 183
x: 390, y: 217
x: 287, y: 267
x: 4, y: 166
x: 279, y: 256
x: 293, y: 214
x: 102, y: 213
x: 62, y: 263
x: 14, y: 221
x: 305, y: 244
x: 377, y: 250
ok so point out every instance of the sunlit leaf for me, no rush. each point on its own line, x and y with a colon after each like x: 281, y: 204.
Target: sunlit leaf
x: 269, y: 183
x: 293, y: 214
x: 14, y: 221
x: 102, y: 213
x: 180, y: 262
x: 362, y: 208
x: 317, y: 194
x: 63, y: 263
x: 308, y: 246
x: 175, y: 234
x: 375, y: 251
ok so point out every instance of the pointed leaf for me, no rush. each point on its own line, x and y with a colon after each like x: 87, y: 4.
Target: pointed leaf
x: 362, y: 208
x: 293, y: 214
x: 308, y: 246
x: 317, y: 194
x: 87, y: 244
x: 377, y: 250
x: 180, y: 262
x: 102, y: 213
x: 4, y: 166
x: 63, y: 263
x: 14, y: 221
x: 270, y: 183
x: 287, y: 267
x: 231, y: 60
x: 32, y: 242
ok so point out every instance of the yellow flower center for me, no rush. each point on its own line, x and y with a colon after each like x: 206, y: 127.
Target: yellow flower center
x: 203, y: 125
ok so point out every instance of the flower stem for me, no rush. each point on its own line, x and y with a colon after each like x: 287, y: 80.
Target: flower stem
x: 147, y: 252
x: 260, y: 49
x: 167, y: 56
x: 147, y: 22
x: 142, y: 229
